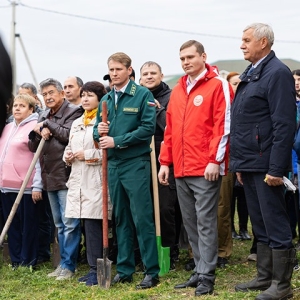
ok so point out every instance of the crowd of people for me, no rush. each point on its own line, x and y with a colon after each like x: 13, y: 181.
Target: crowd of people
x: 220, y: 144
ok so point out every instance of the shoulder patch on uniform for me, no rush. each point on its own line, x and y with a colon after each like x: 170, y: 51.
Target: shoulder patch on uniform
x: 131, y: 109
x: 151, y: 102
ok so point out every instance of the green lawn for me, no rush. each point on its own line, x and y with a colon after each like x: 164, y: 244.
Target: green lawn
x: 24, y: 283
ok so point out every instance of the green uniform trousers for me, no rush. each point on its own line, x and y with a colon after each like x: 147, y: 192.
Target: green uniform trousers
x: 129, y: 187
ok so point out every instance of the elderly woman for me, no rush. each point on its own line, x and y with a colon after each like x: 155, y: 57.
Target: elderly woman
x: 15, y: 159
x: 84, y: 199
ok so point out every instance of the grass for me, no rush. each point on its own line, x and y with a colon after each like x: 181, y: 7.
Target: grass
x: 25, y: 283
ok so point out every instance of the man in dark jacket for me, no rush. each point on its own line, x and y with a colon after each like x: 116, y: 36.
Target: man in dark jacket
x: 151, y: 77
x: 262, y: 131
x: 54, y: 126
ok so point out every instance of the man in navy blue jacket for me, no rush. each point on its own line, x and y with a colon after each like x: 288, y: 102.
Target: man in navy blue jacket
x: 262, y: 132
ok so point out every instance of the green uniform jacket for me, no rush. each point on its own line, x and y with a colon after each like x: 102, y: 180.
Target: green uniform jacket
x: 132, y: 122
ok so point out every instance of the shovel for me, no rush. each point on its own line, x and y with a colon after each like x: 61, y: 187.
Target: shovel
x: 20, y: 194
x: 163, y: 252
x: 104, y: 264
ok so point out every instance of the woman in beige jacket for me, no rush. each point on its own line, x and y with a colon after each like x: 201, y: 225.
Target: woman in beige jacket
x: 84, y: 199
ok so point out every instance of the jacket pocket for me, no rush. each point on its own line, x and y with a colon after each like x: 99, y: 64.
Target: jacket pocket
x: 263, y: 137
x: 11, y: 177
x: 258, y: 139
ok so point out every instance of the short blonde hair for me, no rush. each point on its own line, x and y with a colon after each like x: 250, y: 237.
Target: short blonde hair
x: 28, y: 99
x: 122, y: 58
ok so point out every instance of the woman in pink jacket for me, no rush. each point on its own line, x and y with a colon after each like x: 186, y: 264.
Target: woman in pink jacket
x: 15, y: 159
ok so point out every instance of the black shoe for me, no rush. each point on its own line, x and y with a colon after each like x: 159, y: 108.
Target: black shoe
x: 190, y: 265
x: 118, y: 279
x: 245, y: 235
x: 222, y: 262
x: 235, y: 236
x: 192, y: 282
x: 204, y: 287
x: 148, y: 282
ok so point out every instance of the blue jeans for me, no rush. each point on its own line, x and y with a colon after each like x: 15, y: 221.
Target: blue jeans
x: 68, y: 230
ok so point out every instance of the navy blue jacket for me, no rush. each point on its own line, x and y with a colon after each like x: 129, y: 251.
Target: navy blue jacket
x: 263, y: 119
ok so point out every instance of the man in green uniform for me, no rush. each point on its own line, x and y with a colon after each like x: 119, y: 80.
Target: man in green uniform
x: 131, y: 116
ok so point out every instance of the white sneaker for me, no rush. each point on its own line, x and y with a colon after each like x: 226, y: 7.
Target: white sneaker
x: 65, y: 274
x: 56, y: 272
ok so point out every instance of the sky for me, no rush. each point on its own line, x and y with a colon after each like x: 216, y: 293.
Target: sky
x: 75, y: 37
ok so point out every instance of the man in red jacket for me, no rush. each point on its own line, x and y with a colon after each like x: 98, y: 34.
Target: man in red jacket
x: 196, y: 143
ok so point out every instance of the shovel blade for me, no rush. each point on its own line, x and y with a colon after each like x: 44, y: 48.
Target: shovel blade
x: 163, y: 257
x: 104, y: 272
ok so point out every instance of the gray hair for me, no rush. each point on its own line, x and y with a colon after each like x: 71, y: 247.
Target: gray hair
x: 262, y: 30
x: 51, y: 81
x: 29, y: 86
x: 79, y: 81
x: 151, y: 63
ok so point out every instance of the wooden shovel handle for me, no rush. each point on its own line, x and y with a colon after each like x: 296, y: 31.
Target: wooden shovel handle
x: 104, y: 183
x: 155, y: 188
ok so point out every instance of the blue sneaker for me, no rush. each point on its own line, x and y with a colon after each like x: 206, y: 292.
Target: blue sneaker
x: 85, y: 277
x: 92, y: 280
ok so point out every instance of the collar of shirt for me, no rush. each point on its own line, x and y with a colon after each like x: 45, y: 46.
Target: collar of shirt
x: 190, y: 85
x: 120, y: 90
x: 255, y: 66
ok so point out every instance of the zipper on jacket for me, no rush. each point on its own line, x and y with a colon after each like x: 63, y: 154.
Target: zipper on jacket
x: 186, y: 104
x: 258, y: 139
x: 114, y: 119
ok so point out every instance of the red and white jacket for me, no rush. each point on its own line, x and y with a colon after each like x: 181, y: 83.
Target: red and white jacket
x: 198, y: 124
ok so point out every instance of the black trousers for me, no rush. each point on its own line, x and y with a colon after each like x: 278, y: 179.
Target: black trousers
x: 46, y: 227
x: 267, y: 210
x: 94, y: 241
x: 167, y: 207
x: 239, y: 198
x: 23, y: 230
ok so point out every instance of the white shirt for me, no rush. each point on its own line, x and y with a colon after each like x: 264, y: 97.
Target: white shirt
x: 190, y: 85
x: 120, y: 90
